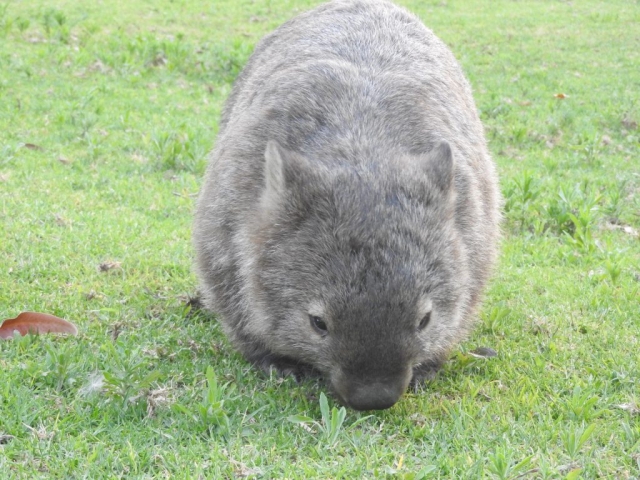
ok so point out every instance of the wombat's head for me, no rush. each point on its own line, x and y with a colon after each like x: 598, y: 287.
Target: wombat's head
x: 359, y: 272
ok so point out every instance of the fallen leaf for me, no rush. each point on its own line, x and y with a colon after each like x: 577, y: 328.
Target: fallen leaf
x: 629, y: 123
x: 106, y: 266
x: 483, y: 352
x: 159, y: 60
x: 560, y: 96
x: 33, y: 146
x: 60, y: 220
x: 31, y: 322
x: 98, y: 66
x: 116, y: 330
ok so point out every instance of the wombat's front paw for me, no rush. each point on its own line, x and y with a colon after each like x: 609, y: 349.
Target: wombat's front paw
x: 285, y: 367
x: 425, y: 371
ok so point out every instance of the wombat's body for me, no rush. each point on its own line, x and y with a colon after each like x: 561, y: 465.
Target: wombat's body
x: 349, y: 217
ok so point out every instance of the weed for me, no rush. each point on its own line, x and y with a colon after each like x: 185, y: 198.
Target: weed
x: 5, y: 22
x: 332, y: 420
x: 616, y: 195
x: 580, y: 405
x: 519, y: 195
x: 179, y: 151
x: 589, y: 148
x: 211, y: 412
x: 55, y: 25
x: 61, y: 367
x: 613, y: 266
x: 22, y: 24
x: 573, y: 213
x: 129, y: 378
x: 502, y: 465
x: 496, y: 319
x: 574, y: 439
x: 225, y: 60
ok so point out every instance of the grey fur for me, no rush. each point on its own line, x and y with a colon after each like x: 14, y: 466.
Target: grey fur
x: 350, y: 182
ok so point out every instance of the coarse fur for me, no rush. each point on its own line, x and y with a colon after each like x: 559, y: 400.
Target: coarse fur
x: 349, y: 216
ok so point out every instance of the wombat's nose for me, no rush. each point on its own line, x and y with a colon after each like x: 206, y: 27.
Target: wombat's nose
x: 374, y: 396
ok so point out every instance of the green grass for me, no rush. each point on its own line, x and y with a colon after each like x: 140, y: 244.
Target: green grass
x: 107, y: 111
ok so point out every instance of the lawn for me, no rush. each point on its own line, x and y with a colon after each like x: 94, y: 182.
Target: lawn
x: 107, y: 112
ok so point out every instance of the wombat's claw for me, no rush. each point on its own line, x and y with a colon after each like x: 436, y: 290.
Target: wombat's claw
x: 424, y: 372
x: 285, y: 367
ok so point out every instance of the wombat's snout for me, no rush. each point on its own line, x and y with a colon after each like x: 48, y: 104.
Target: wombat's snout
x: 373, y: 395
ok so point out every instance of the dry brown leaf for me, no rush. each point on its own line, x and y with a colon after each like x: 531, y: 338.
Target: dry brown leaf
x: 32, y: 322
x: 33, y: 146
x: 483, y: 352
x: 560, y: 96
x: 106, y: 266
x: 629, y: 123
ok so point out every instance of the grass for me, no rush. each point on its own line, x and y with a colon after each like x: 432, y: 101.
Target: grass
x: 107, y: 111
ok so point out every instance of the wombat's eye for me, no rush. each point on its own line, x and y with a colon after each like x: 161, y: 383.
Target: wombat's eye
x: 424, y: 322
x: 318, y: 324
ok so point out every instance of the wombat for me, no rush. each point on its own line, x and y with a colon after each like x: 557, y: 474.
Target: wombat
x: 349, y: 216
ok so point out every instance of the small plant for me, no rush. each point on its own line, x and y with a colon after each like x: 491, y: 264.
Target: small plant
x: 520, y: 195
x: 613, y: 267
x: 130, y: 379
x: 211, y: 411
x: 496, y: 317
x: 332, y: 420
x: 5, y: 22
x: 616, y: 197
x: 558, y: 210
x: 573, y: 213
x: 397, y: 471
x: 61, y: 366
x: 55, y: 25
x: 22, y: 24
x: 581, y: 405
x: 179, y: 151
x: 502, y: 466
x: 518, y: 133
x: 574, y: 440
x: 582, y: 237
x: 227, y: 59
x: 589, y: 147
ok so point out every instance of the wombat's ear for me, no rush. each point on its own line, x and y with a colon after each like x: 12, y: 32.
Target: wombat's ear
x: 282, y: 169
x: 438, y: 165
